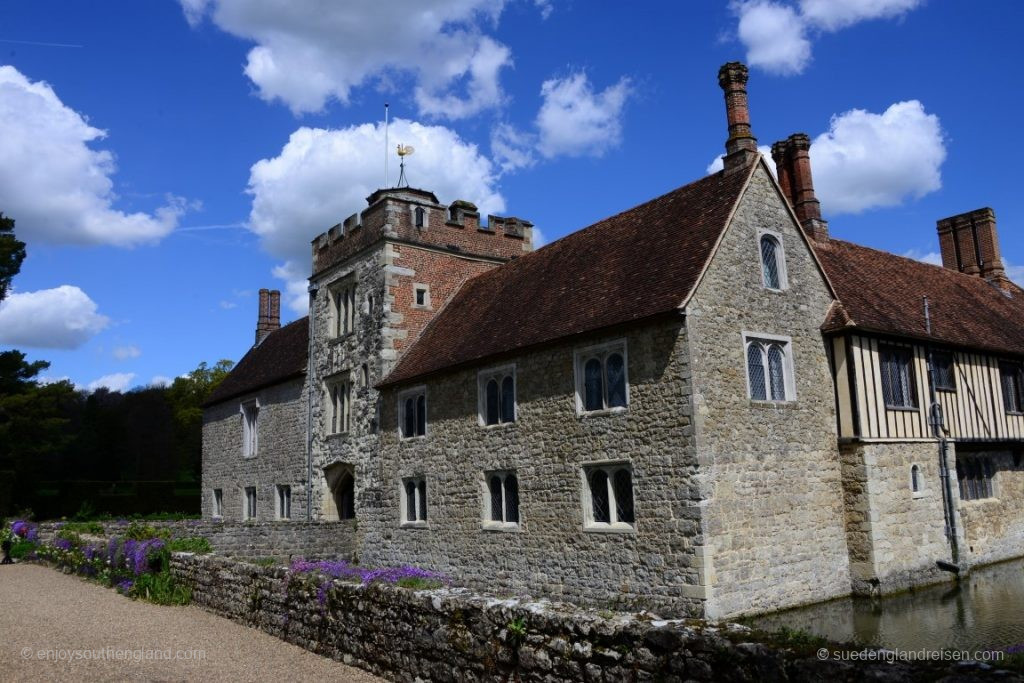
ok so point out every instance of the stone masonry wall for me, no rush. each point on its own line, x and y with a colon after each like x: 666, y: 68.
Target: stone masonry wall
x: 311, y: 540
x: 770, y: 471
x: 895, y: 535
x: 657, y: 564
x: 453, y: 635
x: 994, y: 527
x: 280, y: 456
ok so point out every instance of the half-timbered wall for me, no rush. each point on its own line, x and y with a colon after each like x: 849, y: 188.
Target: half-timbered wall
x: 973, y: 411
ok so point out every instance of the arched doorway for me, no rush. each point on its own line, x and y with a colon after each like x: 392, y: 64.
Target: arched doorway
x: 340, y: 501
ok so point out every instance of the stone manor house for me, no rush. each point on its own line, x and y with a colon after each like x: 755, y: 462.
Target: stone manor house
x: 703, y: 405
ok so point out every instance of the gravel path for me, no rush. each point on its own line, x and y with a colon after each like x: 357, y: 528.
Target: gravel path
x: 43, y: 610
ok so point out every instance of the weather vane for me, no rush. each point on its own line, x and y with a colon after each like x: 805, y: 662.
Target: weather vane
x: 403, y: 152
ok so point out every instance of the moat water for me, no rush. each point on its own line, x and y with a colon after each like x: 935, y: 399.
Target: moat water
x: 983, y: 612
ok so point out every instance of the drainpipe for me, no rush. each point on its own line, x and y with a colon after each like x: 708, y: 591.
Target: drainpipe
x: 310, y: 384
x: 935, y: 419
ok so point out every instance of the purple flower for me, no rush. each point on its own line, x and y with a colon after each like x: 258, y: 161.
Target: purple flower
x: 125, y: 586
x: 19, y: 528
x: 62, y: 544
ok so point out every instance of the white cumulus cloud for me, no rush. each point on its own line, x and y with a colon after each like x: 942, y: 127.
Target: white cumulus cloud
x: 718, y: 164
x: 574, y: 120
x: 932, y: 257
x: 309, y: 51
x: 774, y: 35
x: 322, y: 176
x: 60, y: 318
x: 161, y: 381
x: 778, y: 34
x: 126, y: 352
x: 53, y: 183
x: 118, y: 381
x: 868, y: 160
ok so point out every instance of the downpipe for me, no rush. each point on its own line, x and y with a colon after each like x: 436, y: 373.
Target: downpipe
x: 310, y: 384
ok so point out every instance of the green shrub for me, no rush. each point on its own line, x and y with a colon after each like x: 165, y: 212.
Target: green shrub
x: 70, y: 535
x: 161, y: 589
x: 194, y: 544
x: 137, y: 531
x: 85, y: 511
x: 417, y: 583
x: 22, y: 548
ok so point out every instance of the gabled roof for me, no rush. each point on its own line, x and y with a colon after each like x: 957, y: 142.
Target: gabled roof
x: 882, y: 292
x: 282, y: 355
x: 636, y: 264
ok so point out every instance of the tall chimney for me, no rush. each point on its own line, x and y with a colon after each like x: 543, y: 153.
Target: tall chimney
x: 793, y: 166
x: 741, y: 147
x: 269, y: 315
x: 970, y: 244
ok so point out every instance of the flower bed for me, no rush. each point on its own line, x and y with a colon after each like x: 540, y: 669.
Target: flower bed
x: 328, y: 570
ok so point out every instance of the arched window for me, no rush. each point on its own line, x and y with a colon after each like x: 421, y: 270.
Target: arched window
x: 496, y: 499
x: 611, y: 496
x: 915, y: 478
x: 593, y: 385
x: 508, y: 399
x: 421, y: 415
x: 410, y: 417
x: 768, y: 370
x: 602, y: 381
x: 345, y: 496
x: 755, y: 372
x: 772, y: 263
x: 492, y: 402
x: 420, y: 214
x: 410, y: 501
x: 503, y: 489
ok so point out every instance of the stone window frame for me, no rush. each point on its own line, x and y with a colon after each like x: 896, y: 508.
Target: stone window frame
x: 916, y: 470
x: 785, y: 344
x: 250, y: 427
x: 426, y: 216
x: 505, y: 493
x: 338, y: 387
x: 250, y: 501
x: 780, y: 259
x: 417, y: 486
x: 498, y: 374
x: 418, y: 287
x: 342, y: 302
x: 601, y: 352
x: 283, y: 502
x: 218, y: 503
x: 415, y: 393
x: 610, y: 469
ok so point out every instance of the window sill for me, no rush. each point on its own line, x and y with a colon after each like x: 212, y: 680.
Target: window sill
x: 920, y: 494
x: 502, y: 527
x: 248, y: 457
x: 413, y: 525
x: 499, y: 425
x: 616, y: 528
x: 774, y: 290
x: 979, y: 501
x: 421, y: 307
x: 407, y: 439
x: 1015, y: 413
x: 337, y: 339
x: 603, y: 412
x: 336, y: 435
x: 946, y: 390
x: 903, y: 409
x: 785, y: 405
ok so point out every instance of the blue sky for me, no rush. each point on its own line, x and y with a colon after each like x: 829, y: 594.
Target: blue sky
x: 164, y: 160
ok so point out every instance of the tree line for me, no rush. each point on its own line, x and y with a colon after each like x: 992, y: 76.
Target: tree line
x: 54, y: 437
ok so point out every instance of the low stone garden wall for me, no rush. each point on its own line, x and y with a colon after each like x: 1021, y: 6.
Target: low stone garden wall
x: 453, y: 635
x: 311, y: 540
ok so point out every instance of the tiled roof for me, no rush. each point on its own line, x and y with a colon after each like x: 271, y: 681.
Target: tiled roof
x: 630, y: 266
x: 882, y: 292
x: 281, y: 356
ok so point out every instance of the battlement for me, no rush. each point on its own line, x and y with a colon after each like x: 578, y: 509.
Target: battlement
x: 415, y: 216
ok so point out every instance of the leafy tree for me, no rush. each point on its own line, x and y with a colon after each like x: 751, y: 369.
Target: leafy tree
x: 12, y: 253
x: 186, y: 396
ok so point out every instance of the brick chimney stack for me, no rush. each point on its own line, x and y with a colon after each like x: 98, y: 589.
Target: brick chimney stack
x: 793, y: 166
x: 741, y: 147
x: 970, y: 244
x: 269, y: 314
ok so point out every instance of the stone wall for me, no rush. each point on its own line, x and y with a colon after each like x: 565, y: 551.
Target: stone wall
x: 453, y: 635
x: 552, y: 552
x: 311, y: 540
x: 994, y: 527
x: 280, y: 456
x: 895, y: 535
x: 770, y: 475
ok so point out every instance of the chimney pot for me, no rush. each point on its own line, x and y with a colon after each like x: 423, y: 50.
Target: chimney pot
x: 269, y: 314
x: 970, y: 243
x: 793, y: 163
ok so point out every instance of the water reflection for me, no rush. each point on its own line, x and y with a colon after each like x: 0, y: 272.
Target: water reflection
x: 983, y: 612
